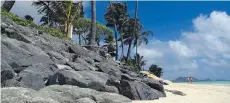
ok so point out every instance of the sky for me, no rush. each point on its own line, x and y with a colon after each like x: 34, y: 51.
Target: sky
x: 190, y: 38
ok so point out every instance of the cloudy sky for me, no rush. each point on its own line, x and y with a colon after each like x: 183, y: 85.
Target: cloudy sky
x: 190, y: 38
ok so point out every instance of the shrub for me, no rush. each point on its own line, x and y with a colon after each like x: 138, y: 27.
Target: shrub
x: 156, y: 70
x: 52, y: 31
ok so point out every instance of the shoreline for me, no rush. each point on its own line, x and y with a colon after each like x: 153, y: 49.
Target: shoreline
x: 195, y: 93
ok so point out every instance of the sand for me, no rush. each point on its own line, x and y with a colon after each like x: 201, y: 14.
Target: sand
x: 155, y: 77
x: 195, y: 93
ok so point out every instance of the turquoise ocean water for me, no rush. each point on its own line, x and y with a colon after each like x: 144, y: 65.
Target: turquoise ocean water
x: 213, y: 82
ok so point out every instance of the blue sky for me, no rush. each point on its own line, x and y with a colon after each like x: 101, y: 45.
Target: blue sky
x: 165, y: 19
x: 190, y: 38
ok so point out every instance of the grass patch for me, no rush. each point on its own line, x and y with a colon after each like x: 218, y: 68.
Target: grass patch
x: 52, y: 31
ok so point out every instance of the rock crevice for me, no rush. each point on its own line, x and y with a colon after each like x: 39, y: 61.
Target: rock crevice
x: 44, y: 63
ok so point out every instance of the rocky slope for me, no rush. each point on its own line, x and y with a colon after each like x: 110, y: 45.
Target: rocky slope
x: 39, y: 68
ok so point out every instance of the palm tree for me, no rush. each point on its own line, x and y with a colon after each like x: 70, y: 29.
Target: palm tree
x: 124, y: 18
x: 44, y: 7
x: 115, y: 17
x: 59, y: 12
x: 83, y: 26
x: 139, y: 37
x: 134, y: 29
x: 7, y: 5
x: 128, y: 35
x: 140, y: 61
x: 115, y: 29
x: 93, y: 23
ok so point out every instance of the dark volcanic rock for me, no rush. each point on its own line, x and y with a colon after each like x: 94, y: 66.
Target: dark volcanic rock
x: 35, y: 60
x: 41, y: 69
x: 29, y: 80
x: 154, y: 84
x: 32, y: 80
x: 6, y: 72
x: 59, y: 94
x: 138, y: 91
x: 85, y: 79
x: 77, y: 66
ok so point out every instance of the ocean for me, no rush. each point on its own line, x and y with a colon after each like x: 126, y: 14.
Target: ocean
x: 213, y: 82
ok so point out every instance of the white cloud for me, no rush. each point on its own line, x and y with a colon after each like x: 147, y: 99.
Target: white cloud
x: 180, y: 48
x: 197, y: 53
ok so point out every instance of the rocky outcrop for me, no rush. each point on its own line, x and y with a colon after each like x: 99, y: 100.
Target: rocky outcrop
x: 42, y: 62
x: 59, y: 94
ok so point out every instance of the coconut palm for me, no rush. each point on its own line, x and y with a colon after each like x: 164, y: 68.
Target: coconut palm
x: 7, y: 5
x: 60, y: 13
x: 134, y: 29
x: 135, y: 40
x: 116, y: 15
x: 44, y: 7
x: 128, y: 35
x: 93, y: 23
x: 140, y: 60
x: 82, y: 29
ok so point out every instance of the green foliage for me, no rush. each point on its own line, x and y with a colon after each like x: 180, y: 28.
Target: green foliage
x: 109, y: 39
x: 132, y: 63
x: 116, y: 13
x: 82, y: 27
x: 156, y: 70
x: 19, y: 21
x: 28, y: 17
x: 137, y: 65
x: 56, y: 13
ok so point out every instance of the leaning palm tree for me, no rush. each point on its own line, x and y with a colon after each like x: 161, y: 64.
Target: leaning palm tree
x: 116, y: 16
x: 140, y: 61
x: 137, y: 39
x: 62, y: 13
x: 7, y: 5
x: 44, y: 7
x: 93, y: 23
x: 134, y: 29
x: 83, y: 26
x: 128, y: 35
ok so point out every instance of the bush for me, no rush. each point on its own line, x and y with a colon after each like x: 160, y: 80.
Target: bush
x: 156, y: 70
x: 52, y: 31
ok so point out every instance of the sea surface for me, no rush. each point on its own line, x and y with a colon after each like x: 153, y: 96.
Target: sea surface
x: 213, y: 82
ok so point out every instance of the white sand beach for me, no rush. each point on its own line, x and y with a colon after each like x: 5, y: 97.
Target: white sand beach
x: 195, y: 93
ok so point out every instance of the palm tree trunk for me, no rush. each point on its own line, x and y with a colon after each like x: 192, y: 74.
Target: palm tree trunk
x: 79, y: 37
x: 135, y: 31
x: 48, y: 15
x: 129, y: 50
x: 70, y: 30
x: 7, y: 5
x: 115, y: 30
x: 93, y: 23
x: 122, y: 46
x: 65, y: 27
